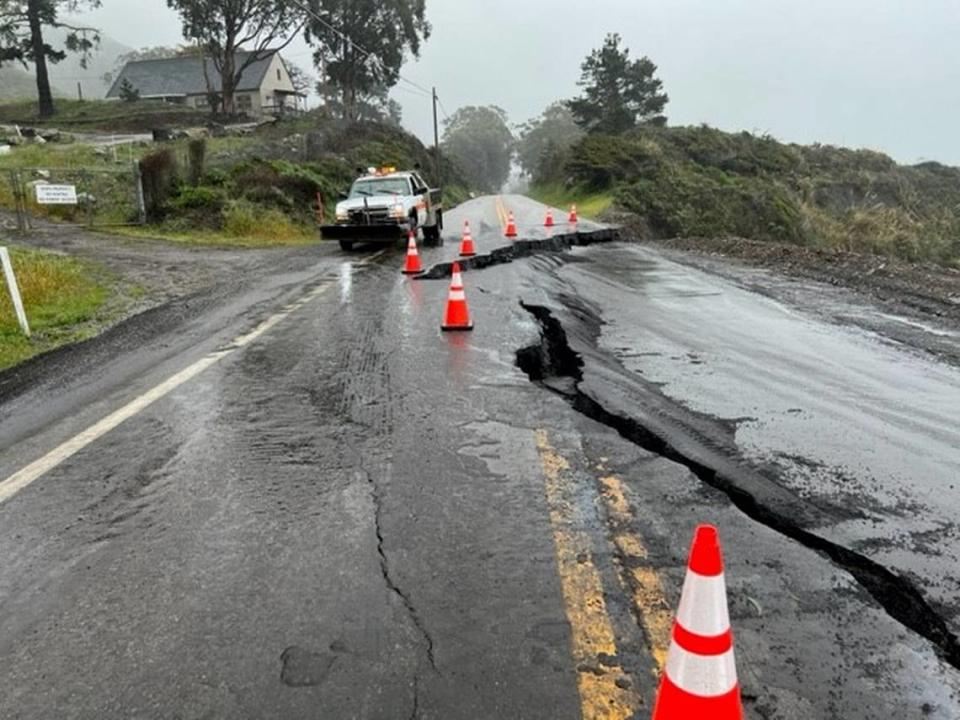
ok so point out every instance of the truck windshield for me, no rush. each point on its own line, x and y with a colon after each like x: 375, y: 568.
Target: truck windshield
x: 380, y: 186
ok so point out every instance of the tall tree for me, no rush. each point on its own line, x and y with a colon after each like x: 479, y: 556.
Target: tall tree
x: 619, y: 93
x: 361, y: 46
x: 480, y: 141
x: 375, y: 105
x: 21, y: 39
x: 225, y: 28
x: 544, y: 138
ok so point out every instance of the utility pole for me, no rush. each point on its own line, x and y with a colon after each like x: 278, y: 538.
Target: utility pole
x: 436, y: 141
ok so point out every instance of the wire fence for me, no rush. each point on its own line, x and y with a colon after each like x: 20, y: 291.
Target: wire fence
x: 88, y: 197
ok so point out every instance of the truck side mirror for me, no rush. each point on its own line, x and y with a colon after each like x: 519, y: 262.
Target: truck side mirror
x: 343, y: 196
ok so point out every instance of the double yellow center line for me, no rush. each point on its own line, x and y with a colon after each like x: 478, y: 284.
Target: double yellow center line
x: 605, y: 688
x: 502, y: 213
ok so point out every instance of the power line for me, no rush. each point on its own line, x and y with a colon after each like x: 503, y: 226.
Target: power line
x: 442, y: 108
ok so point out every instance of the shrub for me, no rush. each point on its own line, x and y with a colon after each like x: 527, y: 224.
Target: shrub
x: 199, y: 198
x: 243, y: 219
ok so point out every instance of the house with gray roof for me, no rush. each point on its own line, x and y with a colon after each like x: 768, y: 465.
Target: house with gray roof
x: 265, y: 88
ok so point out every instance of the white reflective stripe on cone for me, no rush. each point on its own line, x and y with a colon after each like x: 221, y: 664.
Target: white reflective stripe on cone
x: 702, y: 675
x: 703, y: 605
x: 457, y: 296
x: 457, y: 281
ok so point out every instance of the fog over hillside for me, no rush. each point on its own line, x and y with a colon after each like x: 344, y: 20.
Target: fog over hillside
x: 17, y: 82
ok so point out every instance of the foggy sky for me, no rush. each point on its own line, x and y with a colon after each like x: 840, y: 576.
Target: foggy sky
x: 883, y: 74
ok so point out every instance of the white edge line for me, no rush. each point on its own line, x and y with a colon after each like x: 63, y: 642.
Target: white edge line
x: 35, y: 470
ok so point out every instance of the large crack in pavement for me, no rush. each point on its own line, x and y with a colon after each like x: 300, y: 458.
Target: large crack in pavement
x: 555, y: 365
x: 391, y: 584
x: 521, y: 249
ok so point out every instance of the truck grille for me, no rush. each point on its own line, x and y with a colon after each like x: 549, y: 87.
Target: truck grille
x: 376, y: 216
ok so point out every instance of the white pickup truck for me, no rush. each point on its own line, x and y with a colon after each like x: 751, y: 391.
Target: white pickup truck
x: 383, y: 206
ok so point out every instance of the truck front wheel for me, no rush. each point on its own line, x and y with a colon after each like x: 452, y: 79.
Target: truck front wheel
x: 346, y: 245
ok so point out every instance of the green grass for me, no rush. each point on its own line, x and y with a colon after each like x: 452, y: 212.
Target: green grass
x: 290, y: 235
x: 62, y: 297
x: 590, y: 205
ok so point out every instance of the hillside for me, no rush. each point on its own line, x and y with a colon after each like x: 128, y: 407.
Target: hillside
x: 249, y: 187
x: 18, y: 83
x: 697, y: 181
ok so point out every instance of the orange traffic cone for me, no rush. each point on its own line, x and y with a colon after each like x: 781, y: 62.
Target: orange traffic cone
x: 457, y: 315
x: 511, y: 226
x: 412, y: 266
x: 573, y: 214
x: 549, y: 221
x: 466, y: 245
x: 700, y: 677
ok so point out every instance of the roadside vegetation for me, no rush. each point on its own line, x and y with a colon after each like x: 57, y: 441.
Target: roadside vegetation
x: 63, y: 298
x: 590, y: 205
x: 697, y: 181
x: 611, y: 146
x: 258, y: 188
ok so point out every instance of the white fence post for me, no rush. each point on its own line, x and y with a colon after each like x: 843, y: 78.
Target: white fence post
x: 14, y: 290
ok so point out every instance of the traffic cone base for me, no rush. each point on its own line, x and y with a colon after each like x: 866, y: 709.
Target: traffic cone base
x: 412, y: 265
x: 573, y: 214
x: 457, y: 315
x: 700, y: 676
x: 684, y: 705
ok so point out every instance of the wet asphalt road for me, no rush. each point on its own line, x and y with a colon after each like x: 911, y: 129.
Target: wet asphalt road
x: 354, y: 515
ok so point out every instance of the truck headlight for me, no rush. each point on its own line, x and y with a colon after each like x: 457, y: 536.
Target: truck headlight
x: 342, y: 215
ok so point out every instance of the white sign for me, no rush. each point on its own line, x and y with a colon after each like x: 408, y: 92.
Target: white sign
x: 56, y: 194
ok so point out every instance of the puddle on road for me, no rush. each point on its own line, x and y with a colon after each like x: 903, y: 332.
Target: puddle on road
x: 302, y: 668
x: 345, y: 280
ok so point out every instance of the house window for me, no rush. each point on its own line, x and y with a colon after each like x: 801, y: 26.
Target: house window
x: 244, y: 102
x: 202, y: 102
x: 279, y: 76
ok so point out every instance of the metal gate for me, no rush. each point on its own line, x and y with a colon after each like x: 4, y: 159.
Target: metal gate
x: 97, y: 197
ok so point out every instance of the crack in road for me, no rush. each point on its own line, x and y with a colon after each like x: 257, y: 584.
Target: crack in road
x: 392, y: 586
x: 554, y: 365
x: 521, y: 249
